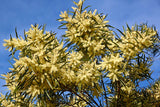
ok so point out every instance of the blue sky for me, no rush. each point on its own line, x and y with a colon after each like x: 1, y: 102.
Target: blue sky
x: 23, y: 13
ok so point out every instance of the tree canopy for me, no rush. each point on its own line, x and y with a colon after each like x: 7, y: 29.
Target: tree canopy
x: 94, y: 65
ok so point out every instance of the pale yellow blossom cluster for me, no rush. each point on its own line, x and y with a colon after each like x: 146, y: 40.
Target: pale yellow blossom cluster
x: 8, y: 78
x: 112, y: 65
x: 37, y: 60
x: 6, y: 103
x: 84, y: 73
x: 87, y: 30
x: 46, y: 67
x: 134, y: 41
x: 74, y: 59
x: 48, y: 64
x: 16, y: 43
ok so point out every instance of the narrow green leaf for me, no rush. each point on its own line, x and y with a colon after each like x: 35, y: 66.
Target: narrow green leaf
x: 86, y: 8
x: 11, y: 64
x: 49, y: 84
x: 48, y: 95
x: 16, y: 32
x: 128, y: 28
x: 139, y: 34
x: 11, y: 37
x: 48, y: 43
x: 43, y: 29
x: 22, y: 75
x: 117, y: 36
x: 25, y: 36
x: 13, y: 52
x: 109, y: 26
x: 39, y: 26
x: 74, y: 14
x: 35, y: 25
x: 121, y: 32
x: 63, y: 24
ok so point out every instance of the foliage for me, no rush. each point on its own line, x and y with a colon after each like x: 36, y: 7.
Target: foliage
x: 96, y: 64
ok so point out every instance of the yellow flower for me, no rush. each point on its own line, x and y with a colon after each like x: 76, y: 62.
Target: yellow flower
x: 114, y: 74
x: 64, y: 15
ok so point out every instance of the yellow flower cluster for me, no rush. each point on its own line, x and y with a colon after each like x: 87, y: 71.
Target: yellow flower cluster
x: 112, y: 65
x: 48, y: 64
x: 6, y: 103
x: 74, y: 59
x: 86, y: 29
x: 134, y: 41
x: 9, y: 103
x: 17, y: 43
x: 38, y: 59
x: 79, y: 72
x: 44, y: 64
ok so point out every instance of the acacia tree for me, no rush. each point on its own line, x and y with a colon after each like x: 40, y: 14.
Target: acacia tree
x: 95, y: 65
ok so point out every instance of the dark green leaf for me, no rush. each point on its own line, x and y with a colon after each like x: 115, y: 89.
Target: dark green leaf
x: 25, y: 36
x: 128, y: 28
x: 86, y: 7
x: 121, y: 32
x: 16, y: 32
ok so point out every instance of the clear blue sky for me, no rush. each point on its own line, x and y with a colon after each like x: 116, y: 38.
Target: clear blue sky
x: 23, y: 13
